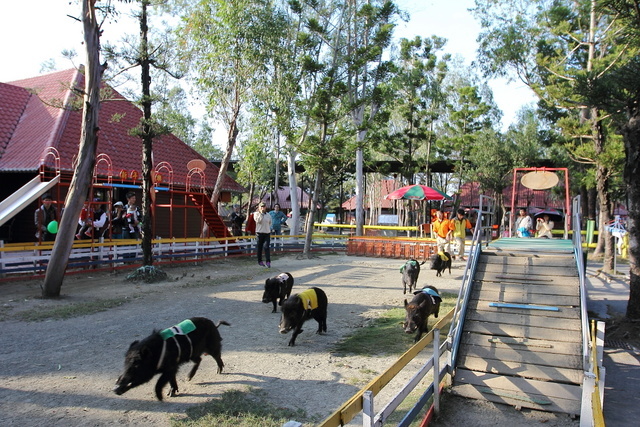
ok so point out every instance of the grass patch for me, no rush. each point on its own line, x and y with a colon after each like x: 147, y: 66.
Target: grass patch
x: 236, y: 408
x: 71, y: 310
x: 384, y: 335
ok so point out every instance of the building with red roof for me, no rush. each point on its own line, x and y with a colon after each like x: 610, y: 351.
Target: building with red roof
x: 40, y: 127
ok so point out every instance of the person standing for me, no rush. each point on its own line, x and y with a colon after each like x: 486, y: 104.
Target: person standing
x: 459, y: 227
x: 237, y: 219
x: 44, y: 215
x: 277, y: 219
x: 263, y: 231
x: 442, y: 230
x: 523, y: 224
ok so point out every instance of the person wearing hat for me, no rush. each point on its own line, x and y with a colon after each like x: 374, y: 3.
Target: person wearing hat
x: 117, y: 220
x: 263, y: 231
x: 45, y: 214
x: 459, y: 225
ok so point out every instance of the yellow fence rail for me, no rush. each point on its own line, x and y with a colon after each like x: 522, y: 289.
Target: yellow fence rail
x: 354, y: 405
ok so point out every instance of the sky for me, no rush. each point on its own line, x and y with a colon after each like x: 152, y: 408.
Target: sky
x: 34, y: 32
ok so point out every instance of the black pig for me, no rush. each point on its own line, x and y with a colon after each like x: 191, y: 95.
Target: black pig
x: 311, y: 303
x: 277, y: 287
x: 440, y: 265
x: 425, y: 302
x: 410, y: 272
x: 164, y: 351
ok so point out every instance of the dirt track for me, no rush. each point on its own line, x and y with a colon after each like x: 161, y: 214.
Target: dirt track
x: 61, y: 372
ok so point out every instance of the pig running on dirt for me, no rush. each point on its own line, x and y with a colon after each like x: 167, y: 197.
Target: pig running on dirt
x: 278, y: 287
x: 301, y: 307
x: 410, y: 272
x: 439, y: 264
x: 425, y: 302
x: 164, y: 351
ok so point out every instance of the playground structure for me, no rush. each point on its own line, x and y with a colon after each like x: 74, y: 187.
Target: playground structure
x: 178, y: 211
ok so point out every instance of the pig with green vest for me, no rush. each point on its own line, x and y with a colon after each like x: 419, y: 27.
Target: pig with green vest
x: 164, y: 351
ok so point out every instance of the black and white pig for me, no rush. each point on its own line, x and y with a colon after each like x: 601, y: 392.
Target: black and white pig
x: 410, y: 272
x: 425, y: 302
x: 164, y: 351
x: 278, y: 287
x: 301, y: 307
x: 440, y: 265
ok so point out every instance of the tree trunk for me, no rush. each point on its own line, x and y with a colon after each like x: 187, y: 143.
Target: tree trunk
x: 605, y: 239
x: 311, y: 215
x: 631, y: 133
x: 232, y: 136
x: 359, y: 192
x: 147, y: 144
x: 293, y: 193
x: 83, y: 174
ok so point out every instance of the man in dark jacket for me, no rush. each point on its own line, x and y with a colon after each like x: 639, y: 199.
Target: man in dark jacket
x: 44, y: 215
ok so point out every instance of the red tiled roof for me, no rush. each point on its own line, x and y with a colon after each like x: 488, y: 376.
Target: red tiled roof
x: 382, y: 188
x: 470, y: 196
x: 42, y: 124
x: 284, y: 199
x: 12, y: 106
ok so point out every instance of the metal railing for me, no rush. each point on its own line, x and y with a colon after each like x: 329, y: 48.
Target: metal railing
x: 481, y: 234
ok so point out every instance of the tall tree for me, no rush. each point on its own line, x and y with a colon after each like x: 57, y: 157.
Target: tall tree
x: 468, y: 116
x: 564, y: 51
x: 624, y: 96
x: 230, y: 43
x: 418, y: 97
x: 81, y: 180
x: 369, y: 28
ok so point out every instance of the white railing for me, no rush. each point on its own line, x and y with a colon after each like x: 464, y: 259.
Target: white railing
x: 31, y: 258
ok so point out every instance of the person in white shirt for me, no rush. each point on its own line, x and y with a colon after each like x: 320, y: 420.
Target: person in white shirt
x: 544, y: 227
x: 263, y: 231
x: 523, y: 224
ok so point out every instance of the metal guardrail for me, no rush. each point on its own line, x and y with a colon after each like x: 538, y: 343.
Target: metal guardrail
x: 592, y: 338
x: 481, y: 233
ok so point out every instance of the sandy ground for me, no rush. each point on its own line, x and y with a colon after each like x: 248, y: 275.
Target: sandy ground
x: 62, y: 372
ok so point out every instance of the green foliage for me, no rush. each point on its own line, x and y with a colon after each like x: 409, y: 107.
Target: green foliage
x: 415, y: 97
x: 239, y: 409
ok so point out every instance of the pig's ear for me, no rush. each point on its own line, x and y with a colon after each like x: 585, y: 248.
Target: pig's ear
x: 133, y: 344
x: 406, y: 303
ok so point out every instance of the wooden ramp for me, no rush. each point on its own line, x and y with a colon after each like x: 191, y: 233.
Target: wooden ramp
x: 522, y: 341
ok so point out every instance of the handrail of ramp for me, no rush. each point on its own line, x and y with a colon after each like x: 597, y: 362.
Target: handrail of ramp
x: 592, y: 338
x: 481, y: 233
x: 581, y: 264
